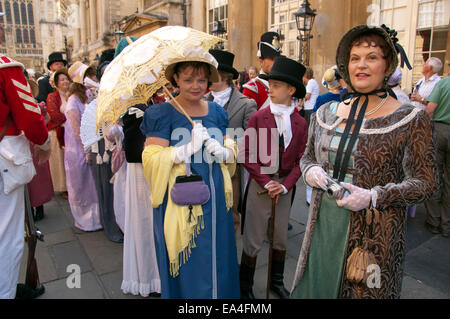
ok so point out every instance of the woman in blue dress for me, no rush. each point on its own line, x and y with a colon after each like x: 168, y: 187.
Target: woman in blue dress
x: 196, y: 256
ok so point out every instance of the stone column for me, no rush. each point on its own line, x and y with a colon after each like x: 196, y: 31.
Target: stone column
x: 101, y: 20
x: 198, y: 15
x: 260, y: 26
x: 240, y: 25
x: 93, y: 20
x: 83, y: 22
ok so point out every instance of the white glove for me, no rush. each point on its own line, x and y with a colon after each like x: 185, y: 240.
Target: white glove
x: 316, y: 177
x: 214, y: 148
x: 358, y: 199
x: 198, y: 135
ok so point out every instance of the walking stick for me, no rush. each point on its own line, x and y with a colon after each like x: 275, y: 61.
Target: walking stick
x: 32, y: 288
x: 271, y: 234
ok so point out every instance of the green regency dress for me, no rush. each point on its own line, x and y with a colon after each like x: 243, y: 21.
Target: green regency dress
x: 323, y: 274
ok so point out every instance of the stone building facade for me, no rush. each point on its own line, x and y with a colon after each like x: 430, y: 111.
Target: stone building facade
x: 21, y: 36
x: 422, y: 25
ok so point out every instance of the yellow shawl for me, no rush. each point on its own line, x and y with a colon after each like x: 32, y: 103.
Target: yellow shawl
x: 160, y: 172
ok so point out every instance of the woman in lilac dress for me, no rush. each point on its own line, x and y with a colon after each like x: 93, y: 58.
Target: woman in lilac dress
x: 80, y: 182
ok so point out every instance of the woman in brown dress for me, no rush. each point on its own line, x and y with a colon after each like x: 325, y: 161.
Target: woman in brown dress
x: 391, y: 165
x: 56, y: 104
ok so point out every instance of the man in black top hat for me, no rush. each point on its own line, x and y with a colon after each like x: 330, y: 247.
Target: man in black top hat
x: 239, y: 109
x: 55, y: 62
x: 268, y: 49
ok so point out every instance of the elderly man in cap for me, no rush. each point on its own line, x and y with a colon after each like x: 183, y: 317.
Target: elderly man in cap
x: 268, y: 49
x: 55, y: 62
x: 20, y: 122
x: 239, y: 109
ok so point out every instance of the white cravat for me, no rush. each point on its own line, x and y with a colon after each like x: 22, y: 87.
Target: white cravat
x: 222, y: 97
x: 282, y: 114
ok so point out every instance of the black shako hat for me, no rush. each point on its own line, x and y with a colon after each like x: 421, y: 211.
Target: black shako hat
x: 269, y: 45
x: 289, y: 71
x: 55, y: 57
x: 225, y: 60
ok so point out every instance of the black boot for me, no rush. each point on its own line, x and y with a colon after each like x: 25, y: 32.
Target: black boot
x: 276, y: 276
x: 40, y: 212
x: 246, y: 274
x: 25, y: 292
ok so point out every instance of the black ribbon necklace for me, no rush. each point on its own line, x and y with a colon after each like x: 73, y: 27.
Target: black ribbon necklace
x: 341, y: 165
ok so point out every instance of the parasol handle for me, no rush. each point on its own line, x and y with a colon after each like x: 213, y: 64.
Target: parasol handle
x: 176, y: 102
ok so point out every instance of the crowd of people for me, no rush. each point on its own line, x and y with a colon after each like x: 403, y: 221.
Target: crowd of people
x: 366, y: 151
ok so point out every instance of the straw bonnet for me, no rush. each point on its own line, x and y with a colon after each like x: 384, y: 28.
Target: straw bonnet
x: 345, y: 46
x: 194, y: 55
x: 77, y: 72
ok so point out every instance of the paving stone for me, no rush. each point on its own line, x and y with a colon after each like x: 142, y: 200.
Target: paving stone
x: 58, y: 237
x: 46, y: 268
x: 54, y: 220
x: 416, y: 233
x: 69, y: 253
x: 430, y: 262
x: 416, y: 289
x: 105, y: 255
x: 90, y: 288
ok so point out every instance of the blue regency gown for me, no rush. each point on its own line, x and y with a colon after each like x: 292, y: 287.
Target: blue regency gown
x: 212, y: 269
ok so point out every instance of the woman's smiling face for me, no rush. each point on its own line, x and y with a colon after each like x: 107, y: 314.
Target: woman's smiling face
x: 192, y: 83
x: 367, y: 67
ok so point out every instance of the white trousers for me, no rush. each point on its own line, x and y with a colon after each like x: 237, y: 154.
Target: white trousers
x: 12, y: 216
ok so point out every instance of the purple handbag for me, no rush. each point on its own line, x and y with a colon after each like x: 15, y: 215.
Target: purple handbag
x: 189, y: 190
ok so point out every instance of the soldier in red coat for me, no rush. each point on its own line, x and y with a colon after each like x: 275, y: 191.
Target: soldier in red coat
x: 257, y: 88
x: 20, y: 122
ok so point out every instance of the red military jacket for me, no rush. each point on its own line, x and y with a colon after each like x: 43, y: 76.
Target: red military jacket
x: 258, y: 90
x: 259, y: 154
x: 16, y: 100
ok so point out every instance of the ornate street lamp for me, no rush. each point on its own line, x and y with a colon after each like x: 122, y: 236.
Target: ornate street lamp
x: 218, y: 30
x: 305, y: 20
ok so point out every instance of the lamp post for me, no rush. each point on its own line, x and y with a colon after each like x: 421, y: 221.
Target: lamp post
x: 66, y: 49
x: 305, y: 20
x: 218, y: 30
x: 118, y: 35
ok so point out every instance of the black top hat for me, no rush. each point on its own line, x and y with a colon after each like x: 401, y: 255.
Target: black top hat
x: 289, y: 71
x: 225, y: 60
x: 107, y: 55
x: 269, y: 45
x: 55, y: 57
